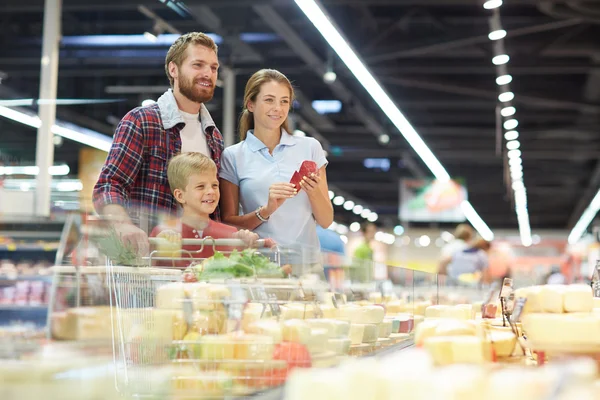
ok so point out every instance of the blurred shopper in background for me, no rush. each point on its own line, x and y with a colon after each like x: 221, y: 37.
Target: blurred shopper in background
x: 362, y: 270
x: 255, y: 174
x: 470, y: 265
x: 463, y: 234
x: 133, y: 181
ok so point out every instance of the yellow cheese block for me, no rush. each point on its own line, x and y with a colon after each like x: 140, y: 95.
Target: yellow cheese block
x: 552, y: 298
x: 450, y: 327
x: 317, y: 341
x: 217, y: 347
x: 457, y: 349
x: 583, y: 329
x: 252, y: 347
x: 371, y: 333
x: 295, y: 330
x: 335, y: 328
x: 436, y: 311
x: 385, y: 329
x: 425, y: 330
x: 209, y: 322
x: 339, y: 346
x: 266, y: 327
x: 362, y: 315
x: 170, y: 296
x: 503, y: 342
x: 375, y: 297
x: 397, y: 306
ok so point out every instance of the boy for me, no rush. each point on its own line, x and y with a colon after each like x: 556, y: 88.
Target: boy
x: 194, y: 184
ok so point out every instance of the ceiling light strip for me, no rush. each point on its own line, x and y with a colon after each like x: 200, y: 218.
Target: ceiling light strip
x: 318, y: 18
x: 506, y: 96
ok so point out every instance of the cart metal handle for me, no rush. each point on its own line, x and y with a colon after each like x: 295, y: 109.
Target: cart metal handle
x: 208, y: 241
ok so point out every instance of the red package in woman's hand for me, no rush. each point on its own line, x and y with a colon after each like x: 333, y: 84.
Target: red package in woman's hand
x: 307, y: 168
x: 296, y: 178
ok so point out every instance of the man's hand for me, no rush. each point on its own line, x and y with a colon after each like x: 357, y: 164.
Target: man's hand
x: 174, y: 239
x: 248, y: 237
x: 134, y: 237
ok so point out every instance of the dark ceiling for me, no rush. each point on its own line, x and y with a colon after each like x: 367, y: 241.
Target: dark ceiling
x: 432, y: 56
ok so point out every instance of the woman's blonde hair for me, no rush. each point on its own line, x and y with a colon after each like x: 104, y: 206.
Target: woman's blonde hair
x: 177, y: 50
x: 253, y: 88
x: 184, y: 165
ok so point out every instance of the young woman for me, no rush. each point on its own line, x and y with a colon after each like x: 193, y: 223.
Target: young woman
x: 255, y: 174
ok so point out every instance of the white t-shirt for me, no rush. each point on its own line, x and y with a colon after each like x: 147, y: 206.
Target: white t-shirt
x: 192, y: 136
x: 453, y: 247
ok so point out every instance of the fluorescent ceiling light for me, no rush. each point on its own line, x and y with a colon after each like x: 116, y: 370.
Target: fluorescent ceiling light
x: 584, y: 221
x: 497, y: 35
x: 365, y: 213
x: 398, y: 230
x: 503, y: 80
x: 68, y: 131
x: 348, y: 205
x: 355, y: 227
x: 511, y: 124
x: 511, y: 135
x: 518, y: 185
x: 384, y: 139
x: 491, y: 4
x: 513, y: 145
x: 331, y: 195
x: 500, y: 59
x: 338, y: 200
x: 373, y: 217
x: 357, y: 209
x: 148, y: 102
x: 55, y: 170
x: 506, y: 96
x: 362, y: 74
x: 314, y: 13
x: 327, y: 106
x: 508, y: 111
x: 476, y: 221
x: 514, y: 154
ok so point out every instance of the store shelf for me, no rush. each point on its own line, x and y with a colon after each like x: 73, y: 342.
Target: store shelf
x: 26, y: 308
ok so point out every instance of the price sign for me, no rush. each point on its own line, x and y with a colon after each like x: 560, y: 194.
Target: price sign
x: 236, y: 303
x: 338, y: 300
x: 260, y: 294
x: 507, y: 288
x: 518, y: 310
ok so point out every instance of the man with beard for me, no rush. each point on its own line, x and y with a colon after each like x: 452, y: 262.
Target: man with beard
x: 133, y: 182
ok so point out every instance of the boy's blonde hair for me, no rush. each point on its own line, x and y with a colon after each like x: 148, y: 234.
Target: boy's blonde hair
x: 182, y: 166
x: 177, y: 50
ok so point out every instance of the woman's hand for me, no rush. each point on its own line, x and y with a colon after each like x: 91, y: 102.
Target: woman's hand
x: 311, y: 184
x: 278, y: 194
x: 247, y: 237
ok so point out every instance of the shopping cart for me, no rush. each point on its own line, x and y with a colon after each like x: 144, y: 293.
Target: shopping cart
x: 176, y: 339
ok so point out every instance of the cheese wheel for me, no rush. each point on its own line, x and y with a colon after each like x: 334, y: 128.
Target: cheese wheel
x: 578, y: 298
x: 552, y: 298
x: 363, y: 315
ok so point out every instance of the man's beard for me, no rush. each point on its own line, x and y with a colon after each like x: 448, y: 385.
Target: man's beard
x: 196, y: 94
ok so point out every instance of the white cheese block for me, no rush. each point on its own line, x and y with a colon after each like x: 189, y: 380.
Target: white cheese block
x: 371, y: 333
x: 419, y: 308
x: 436, y: 311
x: 457, y: 349
x: 335, y: 328
x: 317, y: 341
x: 362, y: 315
x: 396, y: 306
x: 395, y: 323
x: 167, y: 324
x: 440, y: 349
x: 596, y: 301
x: 217, y: 347
x: 251, y: 314
x: 295, y: 330
x: 296, y: 311
x: 385, y: 329
x: 425, y: 330
x: 583, y: 329
x: 552, y: 298
x: 356, y: 333
x: 339, y: 346
x: 578, y: 298
x: 270, y: 328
